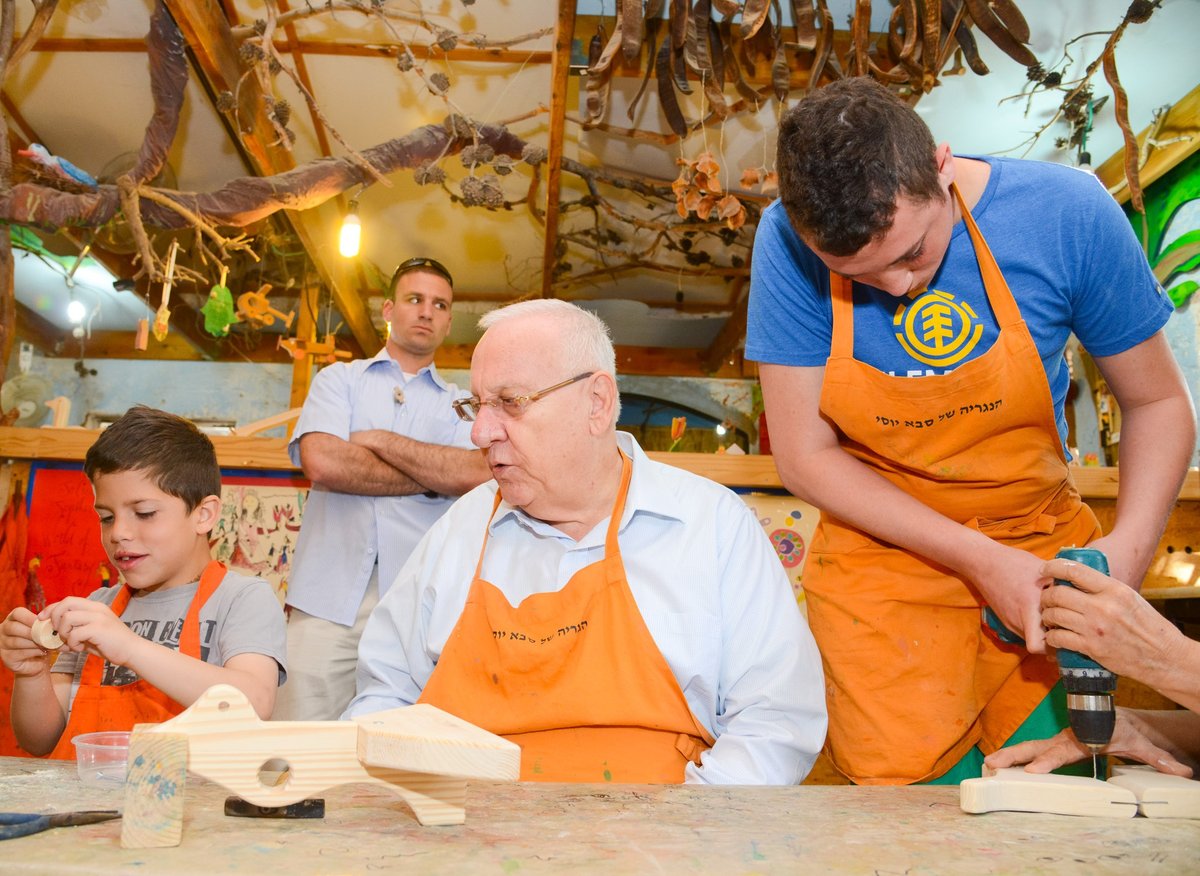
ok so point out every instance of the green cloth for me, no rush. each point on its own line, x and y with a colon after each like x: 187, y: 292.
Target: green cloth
x: 1045, y: 721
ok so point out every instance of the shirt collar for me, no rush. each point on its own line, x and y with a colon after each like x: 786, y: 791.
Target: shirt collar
x: 384, y: 356
x: 649, y: 493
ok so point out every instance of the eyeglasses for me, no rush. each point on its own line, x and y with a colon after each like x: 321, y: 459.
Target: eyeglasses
x: 468, y: 408
x: 420, y: 264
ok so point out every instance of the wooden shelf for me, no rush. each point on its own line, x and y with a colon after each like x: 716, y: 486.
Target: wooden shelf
x: 754, y: 472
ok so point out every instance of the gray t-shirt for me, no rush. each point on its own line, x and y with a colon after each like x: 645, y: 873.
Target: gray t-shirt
x: 242, y: 616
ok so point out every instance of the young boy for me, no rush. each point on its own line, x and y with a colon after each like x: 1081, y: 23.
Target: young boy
x: 180, y: 623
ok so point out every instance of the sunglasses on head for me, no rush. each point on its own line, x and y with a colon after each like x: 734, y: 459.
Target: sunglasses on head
x: 420, y: 264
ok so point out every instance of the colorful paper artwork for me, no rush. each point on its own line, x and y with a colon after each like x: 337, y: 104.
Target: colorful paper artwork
x: 790, y: 524
x: 260, y: 521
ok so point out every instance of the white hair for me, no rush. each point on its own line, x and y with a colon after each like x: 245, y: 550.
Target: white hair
x: 586, y: 341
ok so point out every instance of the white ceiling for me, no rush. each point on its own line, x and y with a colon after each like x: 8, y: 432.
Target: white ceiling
x: 498, y: 255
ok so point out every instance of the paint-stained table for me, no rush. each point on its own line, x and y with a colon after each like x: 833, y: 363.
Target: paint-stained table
x: 531, y: 828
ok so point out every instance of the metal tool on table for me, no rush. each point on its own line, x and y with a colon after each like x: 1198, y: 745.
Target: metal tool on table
x: 314, y: 807
x: 1089, y: 685
x: 15, y: 824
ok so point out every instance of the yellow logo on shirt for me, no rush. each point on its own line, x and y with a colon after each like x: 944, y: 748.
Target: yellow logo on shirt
x: 936, y: 329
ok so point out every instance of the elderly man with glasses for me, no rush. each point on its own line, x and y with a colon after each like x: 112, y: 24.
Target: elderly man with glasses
x: 620, y: 619
x: 386, y: 455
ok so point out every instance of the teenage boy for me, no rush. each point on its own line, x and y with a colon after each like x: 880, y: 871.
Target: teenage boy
x: 178, y: 624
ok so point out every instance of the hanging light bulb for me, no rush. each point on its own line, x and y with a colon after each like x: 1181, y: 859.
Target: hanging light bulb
x: 76, y: 312
x: 351, y: 234
x: 720, y: 429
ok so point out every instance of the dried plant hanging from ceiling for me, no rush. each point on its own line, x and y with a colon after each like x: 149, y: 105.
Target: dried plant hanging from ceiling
x: 709, y: 47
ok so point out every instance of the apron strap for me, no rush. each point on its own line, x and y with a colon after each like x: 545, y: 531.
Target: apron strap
x: 189, y: 636
x: 841, y: 291
x: 615, y: 566
x: 93, y: 665
x: 486, y: 532
x: 210, y: 580
x: 1000, y: 297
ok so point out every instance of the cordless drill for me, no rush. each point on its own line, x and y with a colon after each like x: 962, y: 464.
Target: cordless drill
x: 1089, y: 685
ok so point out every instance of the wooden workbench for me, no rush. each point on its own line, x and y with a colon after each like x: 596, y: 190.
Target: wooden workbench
x: 535, y: 828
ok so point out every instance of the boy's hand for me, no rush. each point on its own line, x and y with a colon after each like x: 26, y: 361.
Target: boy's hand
x: 1011, y: 581
x: 18, y: 650
x: 88, y: 625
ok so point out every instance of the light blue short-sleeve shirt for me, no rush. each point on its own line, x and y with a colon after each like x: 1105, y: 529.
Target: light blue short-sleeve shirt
x: 343, y: 535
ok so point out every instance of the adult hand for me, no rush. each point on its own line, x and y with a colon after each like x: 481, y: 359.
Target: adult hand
x: 89, y: 625
x: 1130, y: 740
x: 1011, y: 581
x: 23, y: 657
x: 1110, y: 622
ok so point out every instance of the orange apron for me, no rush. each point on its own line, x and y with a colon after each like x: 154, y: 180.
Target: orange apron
x: 573, y: 677
x: 14, y: 531
x: 101, y: 707
x: 912, y: 680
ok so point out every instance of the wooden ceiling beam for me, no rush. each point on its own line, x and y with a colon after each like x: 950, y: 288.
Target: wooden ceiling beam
x: 300, y: 383
x: 175, y: 348
x: 642, y: 361
x: 725, y: 346
x: 461, y: 54
x: 294, y: 44
x: 758, y: 76
x: 306, y: 329
x: 35, y: 329
x: 564, y: 33
x: 305, y: 79
x: 215, y: 55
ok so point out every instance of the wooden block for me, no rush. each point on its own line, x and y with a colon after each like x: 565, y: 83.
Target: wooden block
x: 43, y: 635
x: 1158, y: 794
x: 423, y: 738
x: 1014, y: 790
x: 154, y: 790
x: 229, y: 744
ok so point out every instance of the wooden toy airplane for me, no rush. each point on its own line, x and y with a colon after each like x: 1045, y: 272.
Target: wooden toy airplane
x: 421, y: 753
x: 254, y: 308
x: 322, y: 351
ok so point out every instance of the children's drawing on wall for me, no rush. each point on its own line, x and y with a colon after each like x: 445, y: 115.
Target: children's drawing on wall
x: 790, y: 524
x: 257, y: 532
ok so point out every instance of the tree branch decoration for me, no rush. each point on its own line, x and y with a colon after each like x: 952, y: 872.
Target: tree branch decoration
x: 624, y: 222
x: 1079, y: 103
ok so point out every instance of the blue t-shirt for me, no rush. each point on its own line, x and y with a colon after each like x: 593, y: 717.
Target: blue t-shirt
x: 1061, y: 241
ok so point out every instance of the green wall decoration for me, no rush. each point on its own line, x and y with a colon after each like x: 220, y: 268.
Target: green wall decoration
x: 1164, y: 200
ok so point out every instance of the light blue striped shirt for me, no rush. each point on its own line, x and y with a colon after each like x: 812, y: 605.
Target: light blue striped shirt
x: 343, y: 535
x: 706, y: 580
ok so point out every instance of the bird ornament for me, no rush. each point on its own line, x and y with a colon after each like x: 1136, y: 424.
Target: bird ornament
x: 218, y: 310
x: 57, y: 166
